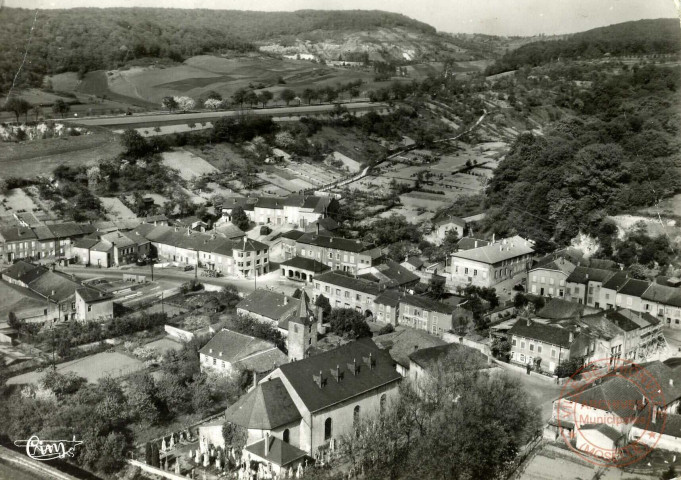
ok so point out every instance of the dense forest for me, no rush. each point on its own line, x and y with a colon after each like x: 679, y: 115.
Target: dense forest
x: 92, y: 39
x: 620, y: 152
x: 642, y: 37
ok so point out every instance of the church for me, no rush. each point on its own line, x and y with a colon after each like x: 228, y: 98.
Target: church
x: 301, y: 407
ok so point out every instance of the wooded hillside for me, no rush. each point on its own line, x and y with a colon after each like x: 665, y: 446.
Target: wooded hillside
x: 91, y: 39
x: 643, y: 37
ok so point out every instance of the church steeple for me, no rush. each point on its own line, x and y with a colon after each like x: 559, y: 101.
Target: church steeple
x: 303, y: 311
x: 302, y: 330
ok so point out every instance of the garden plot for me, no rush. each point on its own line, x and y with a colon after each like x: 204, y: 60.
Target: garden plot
x: 115, y: 209
x: 170, y: 129
x: 16, y: 200
x: 189, y: 165
x: 313, y: 174
x: 291, y: 184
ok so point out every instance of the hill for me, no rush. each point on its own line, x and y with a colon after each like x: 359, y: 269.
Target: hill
x: 642, y: 37
x: 88, y: 39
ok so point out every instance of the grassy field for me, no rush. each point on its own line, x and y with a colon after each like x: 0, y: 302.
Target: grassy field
x: 188, y: 164
x: 115, y: 209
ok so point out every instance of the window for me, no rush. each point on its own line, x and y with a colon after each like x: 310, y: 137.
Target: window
x: 475, y: 273
x: 543, y: 279
x: 465, y: 271
x: 538, y: 348
x: 330, y: 255
x: 286, y: 436
x: 382, y: 404
x: 531, y: 347
x: 214, y: 361
x: 358, y: 297
x: 347, y: 294
x: 327, y: 429
x: 513, y: 342
x: 338, y: 292
x: 522, y: 345
x: 89, y: 308
x: 327, y: 289
x: 553, y: 353
x: 551, y: 281
x: 534, y: 278
x: 355, y: 416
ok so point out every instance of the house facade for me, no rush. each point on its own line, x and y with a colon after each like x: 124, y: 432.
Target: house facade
x: 352, y: 256
x: 584, y: 285
x: 343, y: 291
x: 549, y: 279
x: 93, y: 305
x: 489, y: 265
x: 426, y: 314
x: 540, y: 346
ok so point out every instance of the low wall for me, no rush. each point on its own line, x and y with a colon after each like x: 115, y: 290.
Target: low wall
x: 156, y: 471
x: 44, y: 470
x: 520, y: 369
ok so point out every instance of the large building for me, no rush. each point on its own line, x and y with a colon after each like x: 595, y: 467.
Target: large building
x: 430, y: 315
x: 304, y: 405
x: 299, y: 210
x: 228, y: 352
x: 489, y: 265
x: 548, y: 278
x: 344, y: 291
x: 541, y: 346
x: 111, y: 249
x: 352, y: 256
x: 35, y: 242
x: 584, y: 284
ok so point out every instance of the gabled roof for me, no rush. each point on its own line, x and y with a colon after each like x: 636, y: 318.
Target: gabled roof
x: 497, y: 252
x: 634, y: 287
x: 427, y: 304
x: 90, y: 295
x: 280, y: 453
x: 338, y: 243
x: 542, y: 333
x: 389, y: 297
x: 604, y: 429
x: 263, y: 362
x: 85, y: 243
x: 616, y: 280
x: 357, y: 284
x: 233, y: 347
x: 19, y: 269
x: 405, y: 341
x: 393, y: 274
x: 663, y: 294
x: 468, y: 243
x: 57, y: 286
x: 558, y: 265
x: 446, y: 220
x: 301, y: 374
x: 266, y: 407
x: 415, y: 262
x: 293, y: 234
x: 559, y: 309
x: 66, y: 230
x: 307, y: 264
x: 585, y: 275
x: 17, y: 234
x: 229, y: 230
x: 269, y: 304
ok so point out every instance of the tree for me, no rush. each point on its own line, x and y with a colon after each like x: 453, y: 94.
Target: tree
x: 136, y: 146
x: 349, y: 323
x: 62, y: 385
x: 18, y: 106
x: 669, y: 474
x: 240, y: 219
x: 143, y: 398
x: 287, y: 95
x: 60, y: 107
x: 436, y: 287
x: 323, y: 303
x: 308, y: 95
x: 251, y: 98
x: 4, y: 186
x: 185, y: 103
x: 264, y: 97
x: 239, y: 96
x: 235, y: 436
x: 169, y: 103
x: 212, y: 103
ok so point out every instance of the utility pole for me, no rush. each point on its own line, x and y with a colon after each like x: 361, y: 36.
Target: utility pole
x: 196, y: 268
x: 152, y: 270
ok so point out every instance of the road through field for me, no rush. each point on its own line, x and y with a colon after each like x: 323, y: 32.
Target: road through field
x: 139, y: 120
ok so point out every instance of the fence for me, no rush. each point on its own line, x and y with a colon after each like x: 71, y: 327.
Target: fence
x: 156, y: 471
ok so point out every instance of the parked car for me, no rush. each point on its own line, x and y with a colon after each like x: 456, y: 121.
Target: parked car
x: 188, y: 268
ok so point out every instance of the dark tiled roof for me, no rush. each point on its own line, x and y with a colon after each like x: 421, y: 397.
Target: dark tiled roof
x: 263, y: 362
x: 340, y: 280
x: 405, y: 341
x: 49, y: 282
x: 17, y: 234
x: 542, y: 333
x: 280, y: 452
x: 344, y: 244
x: 394, y: 274
x: 266, y: 407
x: 504, y: 249
x: 415, y: 262
x: 389, y: 297
x: 232, y: 346
x: 663, y: 294
x: 304, y: 263
x: 66, y: 230
x: 91, y: 295
x: 229, y: 230
x: 43, y: 233
x: 427, y: 304
x: 606, y: 430
x: 429, y: 357
x: 269, y: 304
x: 616, y: 281
x: 445, y: 220
x: 634, y: 287
x: 292, y: 234
x: 558, y: 309
x: 19, y: 269
x: 32, y: 275
x: 85, y: 243
x: 301, y: 374
x: 584, y: 275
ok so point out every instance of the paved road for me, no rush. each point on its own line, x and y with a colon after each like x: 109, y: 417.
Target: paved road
x: 169, y: 118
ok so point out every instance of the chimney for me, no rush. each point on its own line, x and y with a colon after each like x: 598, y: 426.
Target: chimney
x: 654, y: 413
x: 586, y: 275
x: 571, y: 338
x: 493, y: 237
x: 317, y: 227
x: 245, y: 242
x: 476, y: 244
x: 267, y: 444
x: 255, y: 379
x: 671, y: 382
x: 529, y: 322
x: 285, y: 300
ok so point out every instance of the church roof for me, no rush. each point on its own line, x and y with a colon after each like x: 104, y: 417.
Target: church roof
x: 266, y: 407
x: 280, y: 453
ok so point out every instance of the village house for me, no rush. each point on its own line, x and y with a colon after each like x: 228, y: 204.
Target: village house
x: 664, y: 303
x: 413, y: 264
x: 487, y: 266
x: 548, y: 278
x: 387, y: 307
x: 469, y: 243
x: 55, y: 240
x: 303, y: 406
x: 288, y: 240
x: 93, y: 305
x: 17, y: 243
x: 430, y: 315
x: 229, y: 352
x: 344, y: 291
x: 391, y: 274
x: 557, y: 309
x: 446, y: 224
x: 541, y: 346
x: 584, y: 284
x: 620, y: 291
x: 301, y: 268
x: 111, y: 249
x: 299, y: 210
x: 268, y: 306
x: 352, y: 256
x: 403, y: 342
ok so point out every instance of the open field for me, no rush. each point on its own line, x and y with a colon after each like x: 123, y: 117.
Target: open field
x: 16, y: 200
x: 189, y: 165
x: 115, y: 209
x: 222, y: 156
x: 92, y: 367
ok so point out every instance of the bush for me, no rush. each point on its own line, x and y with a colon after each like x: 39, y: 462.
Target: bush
x: 386, y: 329
x: 349, y: 323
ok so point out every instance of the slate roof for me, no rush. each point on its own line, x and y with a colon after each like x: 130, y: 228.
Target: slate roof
x: 67, y: 229
x: 405, y: 341
x: 301, y: 374
x: 497, y: 252
x: 427, y: 304
x: 33, y: 274
x: 62, y: 286
x: 616, y: 280
x: 394, y: 274
x: 90, y: 295
x: 543, y: 333
x: 269, y: 304
x: 468, y: 243
x: 415, y: 262
x: 85, y: 243
x: 585, y: 275
x: 280, y: 453
x: 340, y: 280
x: 17, y: 234
x: 19, y: 269
x: 389, y: 297
x: 304, y: 263
x: 293, y: 234
x: 559, y: 309
x: 43, y: 233
x: 634, y: 287
x: 429, y: 357
x: 263, y: 362
x: 233, y: 347
x: 229, y: 230
x: 326, y: 223
x: 663, y: 294
x: 266, y: 407
x: 338, y: 243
